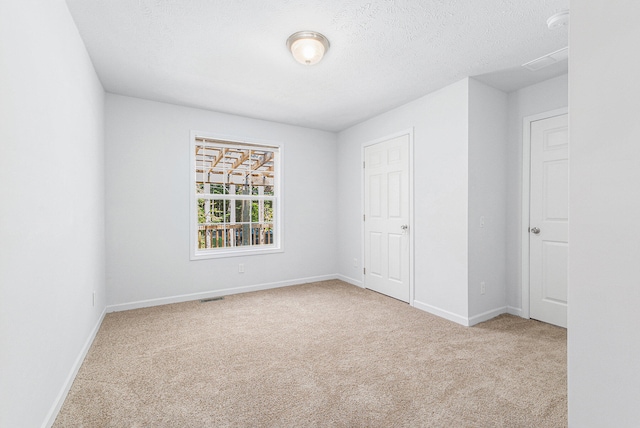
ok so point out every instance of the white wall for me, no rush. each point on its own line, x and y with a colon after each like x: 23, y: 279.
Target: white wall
x: 604, y: 180
x: 487, y: 200
x: 51, y: 208
x: 441, y: 202
x: 147, y: 200
x: 440, y: 124
x: 545, y: 96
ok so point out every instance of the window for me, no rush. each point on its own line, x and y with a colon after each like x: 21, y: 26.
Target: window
x: 235, y: 198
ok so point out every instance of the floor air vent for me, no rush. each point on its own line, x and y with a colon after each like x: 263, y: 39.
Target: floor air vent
x: 211, y: 299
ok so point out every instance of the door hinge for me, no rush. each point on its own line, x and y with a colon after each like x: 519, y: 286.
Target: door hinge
x: 363, y: 163
x: 364, y: 217
x: 364, y: 271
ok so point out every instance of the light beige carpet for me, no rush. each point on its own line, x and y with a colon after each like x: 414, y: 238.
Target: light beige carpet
x: 315, y: 355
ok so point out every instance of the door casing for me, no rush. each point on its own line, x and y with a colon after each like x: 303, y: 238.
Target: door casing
x: 408, y: 132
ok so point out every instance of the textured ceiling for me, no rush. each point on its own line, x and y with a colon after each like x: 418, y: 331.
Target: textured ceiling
x: 230, y: 55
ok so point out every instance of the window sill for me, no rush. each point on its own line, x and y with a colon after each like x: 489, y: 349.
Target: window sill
x: 234, y: 252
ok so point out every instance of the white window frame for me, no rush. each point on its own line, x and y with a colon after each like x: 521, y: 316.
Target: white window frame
x: 213, y: 253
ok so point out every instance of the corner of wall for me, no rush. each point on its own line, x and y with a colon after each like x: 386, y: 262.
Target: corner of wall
x: 487, y: 201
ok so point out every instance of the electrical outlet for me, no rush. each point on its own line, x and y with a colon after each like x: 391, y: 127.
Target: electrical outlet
x: 241, y: 268
x: 482, y: 221
x: 483, y: 287
x: 355, y: 263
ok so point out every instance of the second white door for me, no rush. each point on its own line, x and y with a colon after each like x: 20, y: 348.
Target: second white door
x: 386, y: 230
x: 549, y: 220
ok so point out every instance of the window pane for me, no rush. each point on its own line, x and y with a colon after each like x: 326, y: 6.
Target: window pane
x: 262, y: 160
x: 218, y: 189
x: 219, y: 211
x: 255, y: 211
x: 210, y: 236
x: 243, y: 211
x: 233, y: 235
x: 227, y: 211
x: 258, y: 158
x: 268, y: 211
x: 241, y: 189
x: 213, y: 176
x: 269, y: 182
x: 257, y: 183
x: 210, y: 211
x: 244, y: 234
x: 217, y: 237
x: 261, y: 234
x: 201, y: 211
x: 238, y: 160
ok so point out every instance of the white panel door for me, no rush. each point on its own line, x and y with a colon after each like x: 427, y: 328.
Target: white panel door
x: 549, y: 217
x: 386, y: 229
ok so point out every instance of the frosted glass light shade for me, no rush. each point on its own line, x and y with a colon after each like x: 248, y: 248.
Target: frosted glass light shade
x: 308, y: 47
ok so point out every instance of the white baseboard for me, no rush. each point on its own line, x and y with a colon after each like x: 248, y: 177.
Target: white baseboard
x: 215, y: 293
x: 351, y: 281
x: 486, y: 316
x: 467, y: 322
x: 514, y: 311
x: 441, y: 313
x: 62, y: 395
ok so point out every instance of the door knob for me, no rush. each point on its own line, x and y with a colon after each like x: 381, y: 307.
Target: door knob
x: 535, y: 230
x: 404, y: 228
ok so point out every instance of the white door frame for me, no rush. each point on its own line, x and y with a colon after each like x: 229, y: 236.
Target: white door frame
x: 408, y: 132
x: 526, y: 190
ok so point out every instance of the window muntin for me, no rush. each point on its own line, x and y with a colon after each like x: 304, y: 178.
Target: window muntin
x: 235, y: 199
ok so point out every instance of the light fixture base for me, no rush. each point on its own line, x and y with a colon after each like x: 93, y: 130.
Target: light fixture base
x: 308, y: 47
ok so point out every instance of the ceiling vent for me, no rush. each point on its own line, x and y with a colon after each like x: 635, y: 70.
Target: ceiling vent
x: 547, y: 60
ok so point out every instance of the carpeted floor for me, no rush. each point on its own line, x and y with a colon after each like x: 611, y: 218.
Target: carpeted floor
x: 315, y: 355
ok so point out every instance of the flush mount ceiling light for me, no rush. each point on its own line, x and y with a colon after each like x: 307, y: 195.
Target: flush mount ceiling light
x: 307, y: 47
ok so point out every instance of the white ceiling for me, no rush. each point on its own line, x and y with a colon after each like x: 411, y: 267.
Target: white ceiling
x: 230, y: 55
